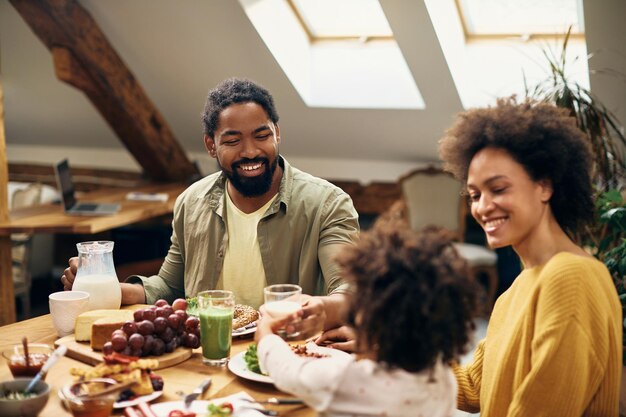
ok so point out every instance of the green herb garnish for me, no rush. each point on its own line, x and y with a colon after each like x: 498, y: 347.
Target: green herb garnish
x: 192, y: 306
x: 252, y: 360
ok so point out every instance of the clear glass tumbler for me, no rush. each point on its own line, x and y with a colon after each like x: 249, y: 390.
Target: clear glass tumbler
x: 282, y: 300
x: 216, y: 325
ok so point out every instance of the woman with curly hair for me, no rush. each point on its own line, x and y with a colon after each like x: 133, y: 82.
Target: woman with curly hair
x: 554, y: 341
x: 411, y: 308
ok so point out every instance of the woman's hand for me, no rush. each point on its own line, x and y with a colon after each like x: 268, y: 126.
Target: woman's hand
x: 67, y: 279
x: 342, y: 338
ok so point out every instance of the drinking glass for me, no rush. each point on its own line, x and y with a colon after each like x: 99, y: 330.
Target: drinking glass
x: 65, y: 306
x: 282, y: 300
x: 216, y: 325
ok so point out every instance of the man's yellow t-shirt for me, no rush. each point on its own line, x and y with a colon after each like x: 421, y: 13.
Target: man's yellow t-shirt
x: 243, y: 271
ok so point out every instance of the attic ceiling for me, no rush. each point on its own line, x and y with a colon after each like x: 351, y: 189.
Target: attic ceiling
x: 178, y: 50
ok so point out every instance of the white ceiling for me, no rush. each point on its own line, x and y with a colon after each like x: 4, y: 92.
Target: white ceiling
x: 178, y: 50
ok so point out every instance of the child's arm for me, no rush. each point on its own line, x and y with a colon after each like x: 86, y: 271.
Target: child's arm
x: 312, y: 380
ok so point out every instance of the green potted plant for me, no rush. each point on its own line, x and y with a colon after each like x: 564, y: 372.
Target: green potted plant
x: 611, y: 247
x: 605, y: 133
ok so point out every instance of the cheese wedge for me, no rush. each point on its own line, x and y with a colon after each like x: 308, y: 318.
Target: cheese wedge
x: 82, y: 328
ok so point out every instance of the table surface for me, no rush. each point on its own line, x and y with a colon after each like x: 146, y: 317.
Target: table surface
x: 50, y: 218
x: 182, y: 377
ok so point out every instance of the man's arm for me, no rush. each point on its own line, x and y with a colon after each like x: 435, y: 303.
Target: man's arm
x: 133, y: 294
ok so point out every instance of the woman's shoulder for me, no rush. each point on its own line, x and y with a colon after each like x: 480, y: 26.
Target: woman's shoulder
x: 570, y: 273
x: 569, y: 263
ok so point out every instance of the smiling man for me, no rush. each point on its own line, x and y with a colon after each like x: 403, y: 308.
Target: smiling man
x: 257, y: 222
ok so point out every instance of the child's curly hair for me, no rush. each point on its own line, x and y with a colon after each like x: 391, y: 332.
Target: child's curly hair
x: 413, y: 302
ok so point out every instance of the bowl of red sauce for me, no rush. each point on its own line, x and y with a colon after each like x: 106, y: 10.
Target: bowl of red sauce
x: 20, y: 365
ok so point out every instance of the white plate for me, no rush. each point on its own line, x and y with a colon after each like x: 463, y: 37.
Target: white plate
x: 237, y: 363
x: 124, y: 404
x: 200, y: 406
x: 237, y: 366
x: 249, y: 330
x: 135, y: 401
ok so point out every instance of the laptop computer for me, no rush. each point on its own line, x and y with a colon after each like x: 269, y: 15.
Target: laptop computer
x: 70, y: 205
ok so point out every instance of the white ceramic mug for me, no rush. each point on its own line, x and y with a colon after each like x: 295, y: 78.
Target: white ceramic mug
x: 65, y: 306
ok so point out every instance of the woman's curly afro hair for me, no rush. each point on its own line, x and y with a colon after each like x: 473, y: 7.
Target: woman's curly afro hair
x: 539, y: 136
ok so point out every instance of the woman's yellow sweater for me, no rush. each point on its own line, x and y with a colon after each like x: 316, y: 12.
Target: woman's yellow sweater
x: 553, y: 345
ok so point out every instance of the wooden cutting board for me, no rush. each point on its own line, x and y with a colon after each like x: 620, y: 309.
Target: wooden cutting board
x: 81, y: 351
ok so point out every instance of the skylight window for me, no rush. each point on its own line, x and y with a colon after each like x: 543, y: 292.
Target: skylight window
x: 347, y: 19
x: 493, y: 46
x: 336, y: 53
x: 525, y: 19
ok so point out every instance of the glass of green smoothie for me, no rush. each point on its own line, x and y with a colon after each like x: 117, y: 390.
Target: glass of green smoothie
x: 215, y: 309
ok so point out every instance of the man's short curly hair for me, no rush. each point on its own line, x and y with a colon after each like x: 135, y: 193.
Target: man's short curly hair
x: 412, y: 301
x: 541, y: 137
x: 233, y: 91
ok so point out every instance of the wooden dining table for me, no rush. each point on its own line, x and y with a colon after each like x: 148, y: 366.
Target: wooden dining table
x: 184, y: 376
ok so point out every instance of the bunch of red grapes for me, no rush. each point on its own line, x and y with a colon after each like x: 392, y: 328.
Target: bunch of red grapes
x: 156, y: 330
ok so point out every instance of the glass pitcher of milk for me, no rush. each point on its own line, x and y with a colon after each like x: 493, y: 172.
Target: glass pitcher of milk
x: 96, y: 275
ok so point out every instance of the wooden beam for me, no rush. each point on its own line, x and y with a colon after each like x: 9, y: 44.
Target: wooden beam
x: 7, y: 295
x: 84, y: 58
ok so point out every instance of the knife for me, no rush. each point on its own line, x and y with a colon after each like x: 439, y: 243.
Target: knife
x: 281, y: 401
x: 201, y: 389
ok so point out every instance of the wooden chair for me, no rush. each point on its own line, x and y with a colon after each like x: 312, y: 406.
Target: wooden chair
x: 433, y: 197
x: 21, y: 246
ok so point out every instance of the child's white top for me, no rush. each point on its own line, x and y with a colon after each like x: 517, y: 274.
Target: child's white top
x: 344, y: 386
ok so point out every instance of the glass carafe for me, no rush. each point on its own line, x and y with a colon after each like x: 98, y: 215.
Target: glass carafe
x: 96, y: 275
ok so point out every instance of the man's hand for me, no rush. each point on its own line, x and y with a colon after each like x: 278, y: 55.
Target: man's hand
x: 342, y: 338
x: 67, y: 279
x: 131, y: 293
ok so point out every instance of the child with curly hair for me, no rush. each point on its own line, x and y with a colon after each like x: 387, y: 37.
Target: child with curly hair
x: 411, y: 309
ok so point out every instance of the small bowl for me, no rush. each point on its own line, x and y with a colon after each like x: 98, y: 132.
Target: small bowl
x: 101, y: 405
x: 38, y: 354
x: 28, y: 407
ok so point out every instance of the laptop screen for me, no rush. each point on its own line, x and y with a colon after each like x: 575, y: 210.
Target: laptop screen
x: 66, y: 186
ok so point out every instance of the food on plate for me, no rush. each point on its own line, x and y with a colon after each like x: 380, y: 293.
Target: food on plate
x: 181, y: 413
x: 301, y: 350
x: 143, y: 410
x: 244, y: 315
x: 252, y: 360
x: 82, y: 329
x: 123, y: 369
x: 220, y: 410
x: 154, y: 330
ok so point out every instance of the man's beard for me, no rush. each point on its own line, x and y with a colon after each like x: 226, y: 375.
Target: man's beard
x: 251, y: 186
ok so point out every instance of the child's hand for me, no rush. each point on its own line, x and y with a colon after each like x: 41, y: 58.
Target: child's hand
x: 269, y: 325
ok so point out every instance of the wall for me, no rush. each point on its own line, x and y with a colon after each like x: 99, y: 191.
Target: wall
x: 364, y: 171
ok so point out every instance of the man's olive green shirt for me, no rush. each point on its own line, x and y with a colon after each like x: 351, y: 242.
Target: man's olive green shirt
x: 299, y: 235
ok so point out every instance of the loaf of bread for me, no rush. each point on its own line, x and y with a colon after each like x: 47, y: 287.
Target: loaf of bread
x: 244, y: 315
x: 82, y: 328
x: 101, y: 330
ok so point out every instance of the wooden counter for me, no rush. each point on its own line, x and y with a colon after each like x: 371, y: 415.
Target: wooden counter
x: 50, y: 218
